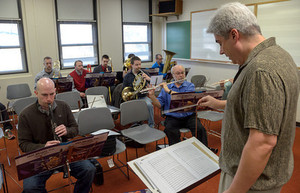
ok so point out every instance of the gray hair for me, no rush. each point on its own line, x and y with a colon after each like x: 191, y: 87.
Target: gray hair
x: 172, y: 69
x: 233, y: 16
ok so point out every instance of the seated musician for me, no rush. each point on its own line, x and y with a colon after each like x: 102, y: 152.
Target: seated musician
x: 158, y: 64
x: 174, y: 120
x: 78, y: 76
x: 48, y: 71
x: 103, y: 67
x: 126, y: 69
x: 35, y: 131
x: 128, y: 80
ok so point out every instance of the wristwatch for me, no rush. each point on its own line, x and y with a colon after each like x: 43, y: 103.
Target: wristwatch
x: 170, y: 92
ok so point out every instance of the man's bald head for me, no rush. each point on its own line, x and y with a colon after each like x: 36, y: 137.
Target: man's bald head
x: 45, y: 92
x: 45, y: 82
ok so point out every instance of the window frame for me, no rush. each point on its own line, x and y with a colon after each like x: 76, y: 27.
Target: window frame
x: 95, y: 44
x: 149, y: 35
x: 22, y: 45
x: 149, y: 38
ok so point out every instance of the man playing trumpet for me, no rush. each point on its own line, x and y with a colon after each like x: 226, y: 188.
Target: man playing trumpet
x: 128, y: 82
x: 174, y: 120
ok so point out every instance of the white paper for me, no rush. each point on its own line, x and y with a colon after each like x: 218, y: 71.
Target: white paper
x: 110, y: 132
x: 176, y: 167
x: 156, y: 80
x: 96, y: 101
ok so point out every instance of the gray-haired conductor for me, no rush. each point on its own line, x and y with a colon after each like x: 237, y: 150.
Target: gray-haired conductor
x: 258, y: 128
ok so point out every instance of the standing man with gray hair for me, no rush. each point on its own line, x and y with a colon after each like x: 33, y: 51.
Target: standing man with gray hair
x: 258, y: 128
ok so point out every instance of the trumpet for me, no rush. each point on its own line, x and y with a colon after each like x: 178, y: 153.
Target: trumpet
x: 146, y: 90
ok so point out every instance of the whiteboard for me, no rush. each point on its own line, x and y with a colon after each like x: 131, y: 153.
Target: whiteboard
x: 282, y: 20
x: 203, y: 45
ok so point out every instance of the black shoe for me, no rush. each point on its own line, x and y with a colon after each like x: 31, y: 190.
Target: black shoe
x: 214, y: 150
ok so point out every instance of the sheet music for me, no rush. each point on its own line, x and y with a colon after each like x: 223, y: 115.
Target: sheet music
x: 96, y: 101
x: 156, y: 80
x: 110, y: 132
x: 176, y: 167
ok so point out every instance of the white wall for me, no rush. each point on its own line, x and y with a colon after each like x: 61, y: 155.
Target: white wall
x: 213, y: 71
x: 41, y: 38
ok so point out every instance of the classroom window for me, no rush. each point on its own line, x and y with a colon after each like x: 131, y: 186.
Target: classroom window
x: 137, y: 29
x: 77, y: 32
x: 12, y: 48
x: 77, y: 42
x: 137, y: 40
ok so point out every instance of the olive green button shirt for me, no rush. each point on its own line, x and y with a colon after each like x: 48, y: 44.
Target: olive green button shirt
x: 264, y: 97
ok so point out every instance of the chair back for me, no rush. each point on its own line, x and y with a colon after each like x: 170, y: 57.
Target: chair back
x: 98, y: 90
x: 22, y: 103
x: 16, y: 91
x: 198, y: 80
x: 133, y: 111
x: 71, y: 98
x: 94, y: 119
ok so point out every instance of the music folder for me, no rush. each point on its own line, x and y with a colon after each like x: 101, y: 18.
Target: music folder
x: 52, y: 157
x: 187, y: 101
x: 177, y: 168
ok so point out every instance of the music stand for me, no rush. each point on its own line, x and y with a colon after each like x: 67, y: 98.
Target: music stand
x: 56, y: 156
x: 63, y: 84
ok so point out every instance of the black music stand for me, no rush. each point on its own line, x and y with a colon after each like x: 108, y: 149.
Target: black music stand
x: 56, y: 156
x: 63, y: 84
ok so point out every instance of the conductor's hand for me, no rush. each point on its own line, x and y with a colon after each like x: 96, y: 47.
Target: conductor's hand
x: 145, y: 76
x: 208, y: 101
x: 49, y: 143
x: 61, y: 130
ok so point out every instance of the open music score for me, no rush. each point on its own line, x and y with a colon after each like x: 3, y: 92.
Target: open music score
x: 63, y: 84
x: 100, y: 79
x: 177, y: 168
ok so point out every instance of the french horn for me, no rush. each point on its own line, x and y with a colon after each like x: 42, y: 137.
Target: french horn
x: 129, y: 93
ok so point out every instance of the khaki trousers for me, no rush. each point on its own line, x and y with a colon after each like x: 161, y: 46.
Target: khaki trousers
x: 225, y: 181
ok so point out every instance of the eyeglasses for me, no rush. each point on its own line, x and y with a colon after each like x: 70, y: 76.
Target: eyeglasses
x: 178, y: 73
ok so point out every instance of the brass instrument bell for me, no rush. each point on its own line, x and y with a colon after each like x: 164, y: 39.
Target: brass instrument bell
x: 167, y: 65
x: 128, y: 93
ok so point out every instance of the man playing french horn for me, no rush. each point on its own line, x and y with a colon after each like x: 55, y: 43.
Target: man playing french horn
x: 175, y: 120
x: 130, y: 78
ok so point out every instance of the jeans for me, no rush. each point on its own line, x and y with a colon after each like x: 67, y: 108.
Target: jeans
x: 150, y: 109
x: 84, y: 171
x: 173, y: 125
x: 4, y: 117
